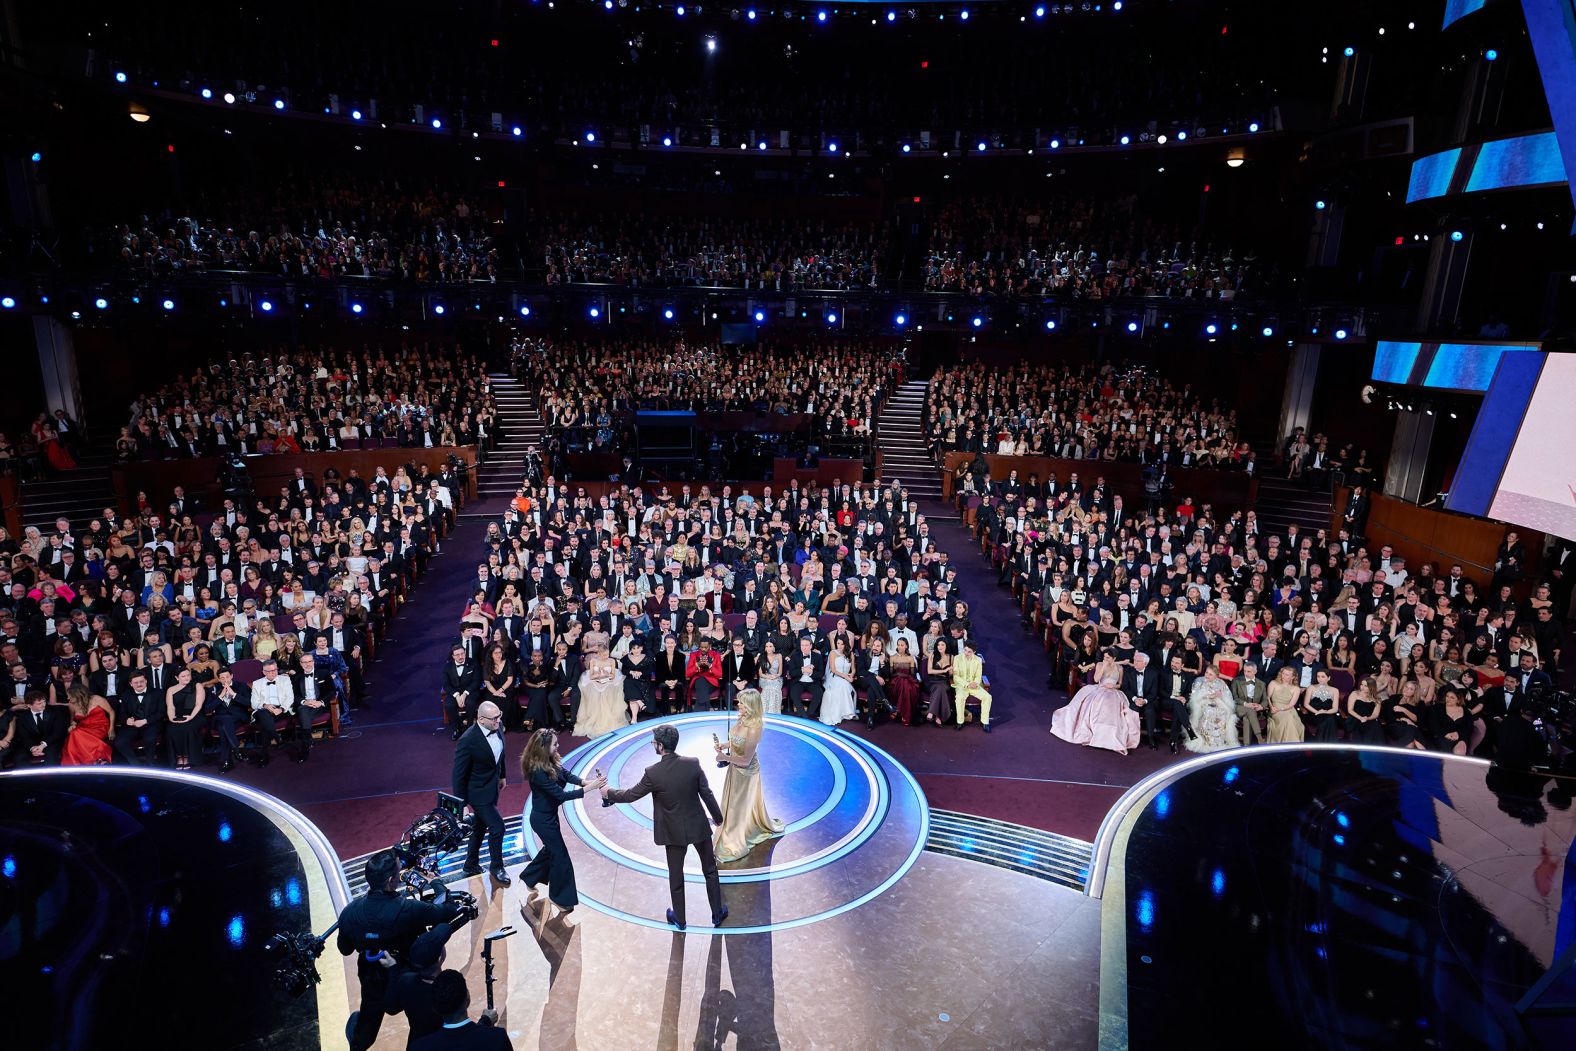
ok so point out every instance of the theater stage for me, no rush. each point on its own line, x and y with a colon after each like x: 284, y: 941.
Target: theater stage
x: 846, y: 932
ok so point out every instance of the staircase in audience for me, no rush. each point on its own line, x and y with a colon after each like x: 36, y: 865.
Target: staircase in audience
x: 1283, y: 502
x: 79, y: 495
x: 900, y: 435
x: 521, y: 427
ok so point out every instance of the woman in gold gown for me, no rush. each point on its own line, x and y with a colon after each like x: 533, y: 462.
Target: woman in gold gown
x: 745, y: 822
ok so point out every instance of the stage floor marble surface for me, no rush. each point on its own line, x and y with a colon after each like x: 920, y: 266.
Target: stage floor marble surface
x: 957, y: 955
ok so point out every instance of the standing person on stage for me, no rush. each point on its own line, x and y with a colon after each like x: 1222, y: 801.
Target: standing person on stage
x: 745, y: 821
x: 452, y: 997
x: 542, y: 769
x: 678, y: 790
x: 478, y: 777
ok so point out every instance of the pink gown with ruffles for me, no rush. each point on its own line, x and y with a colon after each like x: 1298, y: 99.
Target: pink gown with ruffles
x: 1100, y: 717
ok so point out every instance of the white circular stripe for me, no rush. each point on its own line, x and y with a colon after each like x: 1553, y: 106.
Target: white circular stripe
x: 861, y: 828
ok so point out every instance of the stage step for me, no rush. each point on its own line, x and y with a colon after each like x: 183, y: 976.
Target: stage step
x: 1020, y: 848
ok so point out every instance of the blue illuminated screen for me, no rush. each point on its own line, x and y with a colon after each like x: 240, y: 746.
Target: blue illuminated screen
x: 1530, y: 160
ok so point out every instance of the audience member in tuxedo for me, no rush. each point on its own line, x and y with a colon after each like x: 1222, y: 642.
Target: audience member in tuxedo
x: 317, y: 699
x: 273, y: 702
x: 565, y: 689
x: 478, y: 776
x: 230, y: 704
x: 703, y: 672
x: 1248, y: 691
x: 670, y: 676
x: 1142, y: 686
x: 1176, y: 687
x: 803, y: 677
x: 139, y: 720
x: 461, y: 690
x: 738, y: 671
x: 39, y: 731
x: 872, y: 671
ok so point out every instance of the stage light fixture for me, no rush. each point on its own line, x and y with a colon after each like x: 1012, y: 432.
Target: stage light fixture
x: 891, y: 16
x: 355, y: 308
x: 1132, y: 326
x: 761, y: 144
x: 437, y: 308
x: 355, y: 114
x: 907, y: 147
x: 266, y: 307
x: 76, y: 315
x: 1340, y: 333
x: 679, y: 10
x: 760, y: 316
x: 1039, y: 12
x: 169, y: 304
x: 207, y: 93
x: 279, y: 103
x: 1126, y: 140
x: 820, y: 16
x: 525, y: 311
x: 120, y: 78
x: 831, y: 147
x: 36, y: 157
x: 750, y: 14
x: 711, y: 45
x: 977, y: 321
x: 1319, y: 205
x: 7, y: 302
x: 1056, y: 144
x: 1211, y: 328
x: 667, y: 141
x: 595, y: 312
x: 590, y: 136
x: 981, y: 147
x: 668, y: 314
x: 229, y: 98
x: 1455, y: 235
x: 1160, y: 140
x: 1267, y: 331
x: 1050, y: 325
x: 900, y: 320
x: 101, y: 303
x: 1181, y: 136
x: 964, y: 14
x: 1253, y: 128
x: 437, y: 124
x: 831, y: 317
x: 1349, y: 52
x: 517, y: 131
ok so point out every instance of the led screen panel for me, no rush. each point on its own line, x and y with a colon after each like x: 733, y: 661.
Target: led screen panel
x: 1530, y: 160
x: 1538, y: 488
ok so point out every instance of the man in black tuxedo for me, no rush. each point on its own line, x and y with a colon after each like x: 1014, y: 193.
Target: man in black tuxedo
x: 872, y: 673
x: 110, y: 679
x: 678, y: 789
x: 738, y: 670
x: 478, y: 776
x: 563, y: 688
x: 804, y: 675
x: 1142, y: 686
x: 461, y: 687
x: 452, y: 999
x: 139, y: 715
x: 39, y: 733
x: 1175, y: 686
x: 230, y: 704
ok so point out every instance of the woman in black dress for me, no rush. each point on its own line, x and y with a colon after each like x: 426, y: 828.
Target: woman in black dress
x: 543, y: 770
x: 638, y: 691
x: 668, y: 677
x: 498, y: 684
x: 538, y: 678
x: 1447, y: 725
x: 1362, y: 725
x: 182, y: 708
x: 1401, y: 717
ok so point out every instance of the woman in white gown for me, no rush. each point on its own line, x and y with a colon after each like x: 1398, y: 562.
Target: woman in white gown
x: 745, y: 820
x: 837, y: 693
x: 602, y: 708
x: 1213, y: 713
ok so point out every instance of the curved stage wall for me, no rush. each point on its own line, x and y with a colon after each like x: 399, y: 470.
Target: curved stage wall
x: 134, y: 906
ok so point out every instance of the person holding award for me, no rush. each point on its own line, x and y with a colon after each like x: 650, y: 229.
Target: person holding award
x: 745, y: 820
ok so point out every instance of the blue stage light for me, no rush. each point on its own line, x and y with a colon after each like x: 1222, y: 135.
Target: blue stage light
x: 608, y: 4
x: 517, y: 131
x: 1116, y: 6
x: 666, y: 141
x: 120, y: 78
x: 668, y: 313
x: 1254, y: 127
x: 590, y: 136
x: 1349, y: 52
x: 36, y: 157
x: 964, y: 14
x: 1050, y: 325
x: 1455, y: 235
x: 235, y: 931
x: 1319, y: 205
x: 1340, y: 333
x: 169, y: 304
x: 977, y: 321
x: 1056, y: 144
x: 1132, y: 326
x: 595, y: 312
x: 8, y: 867
x: 1210, y: 329
x: 7, y: 302
x: 981, y: 147
x: 900, y: 320
x: 355, y: 114
x: 820, y: 16
x: 226, y: 833
x: 680, y: 11
x: 101, y: 303
x: 750, y: 14
x: 267, y: 307
x: 1039, y: 12
x: 525, y: 311
x: 1181, y: 136
x: 760, y: 316
x: 1491, y: 54
x: 907, y: 147
x: 1267, y: 331
x: 1233, y: 326
x: 761, y: 145
x: 831, y: 147
x: 438, y: 308
x: 207, y: 93
x: 891, y: 16
x: 831, y: 318
x: 1125, y: 140
x: 436, y: 124
x: 279, y: 103
x: 355, y: 308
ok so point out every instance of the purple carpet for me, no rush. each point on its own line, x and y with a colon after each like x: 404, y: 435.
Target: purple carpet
x: 364, y: 789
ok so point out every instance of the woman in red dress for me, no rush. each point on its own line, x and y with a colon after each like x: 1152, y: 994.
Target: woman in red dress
x: 903, y: 687
x: 92, y: 723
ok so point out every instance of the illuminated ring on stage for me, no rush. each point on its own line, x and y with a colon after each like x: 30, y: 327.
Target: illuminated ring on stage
x: 839, y: 778
x: 596, y: 839
x: 785, y: 925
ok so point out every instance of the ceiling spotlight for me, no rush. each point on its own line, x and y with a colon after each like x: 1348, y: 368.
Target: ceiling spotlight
x: 437, y: 308
x: 267, y: 307
x: 229, y: 98
x: 169, y: 304
x: 1050, y: 325
x: 355, y: 308
x: 760, y: 316
x: 668, y: 314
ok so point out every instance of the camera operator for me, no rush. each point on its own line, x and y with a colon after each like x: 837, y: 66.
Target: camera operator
x: 410, y: 990
x: 380, y: 927
x: 452, y: 997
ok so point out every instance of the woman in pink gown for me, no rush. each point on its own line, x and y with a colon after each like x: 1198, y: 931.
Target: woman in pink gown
x: 1099, y: 715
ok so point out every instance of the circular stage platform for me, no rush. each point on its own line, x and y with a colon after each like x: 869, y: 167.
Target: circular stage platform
x: 855, y: 819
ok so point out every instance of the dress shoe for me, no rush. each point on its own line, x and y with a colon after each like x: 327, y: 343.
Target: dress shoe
x: 1173, y: 748
x: 471, y: 870
x: 870, y: 723
x: 500, y: 877
x: 718, y: 917
x: 226, y: 766
x: 674, y: 921
x: 960, y: 726
x: 454, y: 735
x: 987, y: 727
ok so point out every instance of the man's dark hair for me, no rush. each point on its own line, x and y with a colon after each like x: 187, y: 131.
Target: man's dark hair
x: 381, y: 867
x: 450, y: 994
x: 667, y: 738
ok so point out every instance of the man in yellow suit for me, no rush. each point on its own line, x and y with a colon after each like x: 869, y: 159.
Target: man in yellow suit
x: 968, y: 680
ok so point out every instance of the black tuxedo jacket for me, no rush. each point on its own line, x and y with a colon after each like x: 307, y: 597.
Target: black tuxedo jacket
x: 460, y: 680
x: 1151, y: 688
x: 477, y: 775
x: 678, y: 789
x: 50, y: 731
x: 741, y: 667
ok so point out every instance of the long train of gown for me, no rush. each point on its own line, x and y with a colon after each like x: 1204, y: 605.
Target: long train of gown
x: 1100, y: 717
x: 745, y: 821
x: 602, y: 707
